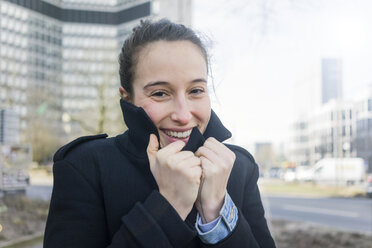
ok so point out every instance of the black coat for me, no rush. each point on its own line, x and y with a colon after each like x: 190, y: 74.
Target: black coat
x: 104, y: 194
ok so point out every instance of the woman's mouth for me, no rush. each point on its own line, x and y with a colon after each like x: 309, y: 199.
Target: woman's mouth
x: 179, y: 135
x: 171, y: 136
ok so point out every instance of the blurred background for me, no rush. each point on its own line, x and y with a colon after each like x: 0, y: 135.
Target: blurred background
x: 292, y: 80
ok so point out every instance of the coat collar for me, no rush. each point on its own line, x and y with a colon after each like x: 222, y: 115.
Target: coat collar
x: 135, y: 140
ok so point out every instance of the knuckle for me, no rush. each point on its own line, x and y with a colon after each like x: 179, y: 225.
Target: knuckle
x: 196, y: 161
x: 208, y: 141
x: 202, y: 150
x: 188, y: 153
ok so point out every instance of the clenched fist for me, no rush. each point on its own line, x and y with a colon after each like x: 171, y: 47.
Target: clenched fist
x: 177, y: 174
x: 217, y: 161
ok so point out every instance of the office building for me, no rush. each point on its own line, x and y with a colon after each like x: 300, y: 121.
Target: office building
x: 331, y: 79
x: 58, y: 58
x: 337, y: 129
x: 9, y: 127
x: 363, y: 137
x: 298, y: 147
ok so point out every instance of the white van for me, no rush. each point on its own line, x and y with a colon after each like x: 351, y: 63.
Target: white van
x: 342, y: 171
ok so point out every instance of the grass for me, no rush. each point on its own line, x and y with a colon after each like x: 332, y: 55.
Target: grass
x: 277, y: 187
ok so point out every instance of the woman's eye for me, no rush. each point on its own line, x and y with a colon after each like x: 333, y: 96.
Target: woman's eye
x: 159, y: 94
x: 197, y: 91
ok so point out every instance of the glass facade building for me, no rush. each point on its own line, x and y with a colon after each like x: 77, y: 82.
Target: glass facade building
x: 331, y: 79
x: 59, y: 59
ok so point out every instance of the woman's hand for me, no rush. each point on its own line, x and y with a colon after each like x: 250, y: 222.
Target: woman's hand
x: 217, y: 161
x: 177, y: 174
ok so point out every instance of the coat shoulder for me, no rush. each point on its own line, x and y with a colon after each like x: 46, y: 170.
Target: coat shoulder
x: 64, y: 150
x: 244, y: 162
x: 241, y: 153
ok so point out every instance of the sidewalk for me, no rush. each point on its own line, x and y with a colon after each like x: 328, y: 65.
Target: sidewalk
x: 308, y: 189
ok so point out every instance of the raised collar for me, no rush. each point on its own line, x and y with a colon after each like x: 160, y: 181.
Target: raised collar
x: 135, y: 140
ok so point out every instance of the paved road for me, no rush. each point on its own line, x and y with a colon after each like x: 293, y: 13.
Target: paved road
x: 350, y: 214
x: 347, y: 214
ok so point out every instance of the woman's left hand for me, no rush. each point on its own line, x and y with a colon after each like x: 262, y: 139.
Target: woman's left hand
x: 217, y: 161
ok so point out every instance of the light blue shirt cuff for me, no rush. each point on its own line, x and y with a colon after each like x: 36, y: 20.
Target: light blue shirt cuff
x: 208, y: 226
x: 218, y: 229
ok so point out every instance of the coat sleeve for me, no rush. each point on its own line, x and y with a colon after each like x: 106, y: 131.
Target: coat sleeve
x: 251, y: 229
x: 77, y: 217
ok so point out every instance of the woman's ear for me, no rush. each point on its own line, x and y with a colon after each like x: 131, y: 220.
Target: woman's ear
x: 124, y: 94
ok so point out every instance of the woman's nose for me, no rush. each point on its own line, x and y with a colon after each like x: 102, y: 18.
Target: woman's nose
x: 182, y: 112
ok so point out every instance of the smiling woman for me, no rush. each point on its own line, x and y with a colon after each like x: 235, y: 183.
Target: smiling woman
x: 170, y: 84
x: 168, y: 181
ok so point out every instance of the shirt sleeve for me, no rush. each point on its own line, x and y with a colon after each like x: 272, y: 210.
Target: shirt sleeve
x: 218, y: 229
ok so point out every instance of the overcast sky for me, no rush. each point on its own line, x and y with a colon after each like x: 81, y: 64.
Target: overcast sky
x: 265, y: 53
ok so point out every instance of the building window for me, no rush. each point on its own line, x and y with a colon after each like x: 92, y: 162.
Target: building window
x: 343, y: 131
x: 369, y: 104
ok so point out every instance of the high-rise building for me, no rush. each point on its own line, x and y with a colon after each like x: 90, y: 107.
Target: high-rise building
x: 363, y: 137
x: 331, y: 79
x: 59, y: 57
x: 336, y: 129
x: 299, y: 151
x: 9, y: 127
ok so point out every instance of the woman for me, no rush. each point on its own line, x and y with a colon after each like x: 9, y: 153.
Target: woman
x: 168, y: 181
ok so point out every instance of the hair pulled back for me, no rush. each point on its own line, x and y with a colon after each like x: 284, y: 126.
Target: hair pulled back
x: 145, y: 33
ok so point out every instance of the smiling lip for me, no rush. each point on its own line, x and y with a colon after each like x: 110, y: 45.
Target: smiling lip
x: 175, y: 134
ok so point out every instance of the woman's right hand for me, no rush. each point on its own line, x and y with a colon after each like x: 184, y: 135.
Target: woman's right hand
x: 177, y: 174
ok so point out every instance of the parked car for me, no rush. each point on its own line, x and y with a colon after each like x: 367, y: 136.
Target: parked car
x: 275, y: 172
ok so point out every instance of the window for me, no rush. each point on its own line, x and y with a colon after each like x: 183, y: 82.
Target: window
x: 370, y: 104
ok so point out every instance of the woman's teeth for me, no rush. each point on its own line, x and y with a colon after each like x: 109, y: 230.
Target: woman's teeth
x: 179, y: 134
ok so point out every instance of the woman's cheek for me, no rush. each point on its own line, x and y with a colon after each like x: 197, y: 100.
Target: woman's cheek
x: 155, y: 112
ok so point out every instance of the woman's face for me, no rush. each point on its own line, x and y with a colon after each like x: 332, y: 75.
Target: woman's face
x: 170, y: 84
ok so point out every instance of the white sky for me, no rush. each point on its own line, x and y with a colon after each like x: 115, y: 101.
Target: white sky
x: 266, y: 69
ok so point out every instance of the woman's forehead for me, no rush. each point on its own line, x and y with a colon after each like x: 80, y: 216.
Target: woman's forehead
x: 170, y: 61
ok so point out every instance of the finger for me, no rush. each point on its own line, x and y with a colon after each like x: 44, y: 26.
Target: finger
x: 172, y: 148
x: 207, y: 153
x: 190, y: 162
x: 222, y: 151
x: 215, y: 146
x: 208, y: 168
x: 180, y: 156
x: 152, y: 148
x: 206, y: 164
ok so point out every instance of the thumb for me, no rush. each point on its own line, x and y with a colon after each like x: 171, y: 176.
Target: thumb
x: 152, y: 149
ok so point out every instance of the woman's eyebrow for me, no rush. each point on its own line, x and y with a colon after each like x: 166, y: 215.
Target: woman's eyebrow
x: 199, y: 80
x: 151, y: 84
